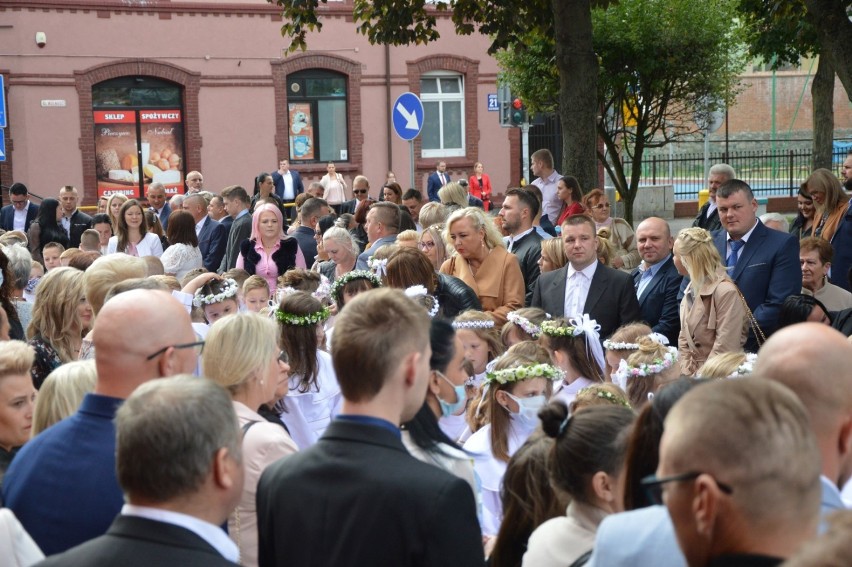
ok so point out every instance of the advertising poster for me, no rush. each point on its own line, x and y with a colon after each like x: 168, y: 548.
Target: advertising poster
x: 116, y: 158
x: 301, y: 131
x: 162, y: 148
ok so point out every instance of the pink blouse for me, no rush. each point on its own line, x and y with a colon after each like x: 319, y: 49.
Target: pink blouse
x: 266, y: 267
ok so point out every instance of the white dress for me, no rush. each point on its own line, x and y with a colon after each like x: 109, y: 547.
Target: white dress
x: 335, y: 189
x: 150, y: 245
x: 179, y: 259
x: 567, y: 392
x: 307, y: 414
x: 490, y: 470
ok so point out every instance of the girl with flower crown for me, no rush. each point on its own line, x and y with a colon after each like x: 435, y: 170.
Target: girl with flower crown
x: 651, y: 367
x: 217, y: 298
x: 713, y: 316
x: 481, y: 341
x: 621, y: 344
x: 522, y: 325
x: 574, y: 346
x: 517, y: 388
x: 314, y: 395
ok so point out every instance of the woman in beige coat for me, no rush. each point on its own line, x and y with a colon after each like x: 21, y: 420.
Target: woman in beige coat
x: 713, y: 316
x: 482, y: 262
x: 241, y: 354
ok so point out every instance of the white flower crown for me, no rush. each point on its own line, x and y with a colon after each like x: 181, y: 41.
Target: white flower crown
x: 626, y: 371
x: 656, y: 337
x: 336, y: 290
x: 746, y: 368
x: 229, y: 291
x: 528, y: 326
x: 419, y: 291
x: 379, y: 267
x: 526, y: 372
x: 489, y: 324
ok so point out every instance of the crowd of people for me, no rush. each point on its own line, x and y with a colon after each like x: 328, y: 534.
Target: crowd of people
x: 293, y: 378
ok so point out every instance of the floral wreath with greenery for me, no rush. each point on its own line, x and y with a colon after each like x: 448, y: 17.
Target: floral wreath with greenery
x: 229, y: 291
x: 337, y: 286
x: 606, y: 395
x: 302, y: 320
x: 626, y: 371
x: 526, y: 372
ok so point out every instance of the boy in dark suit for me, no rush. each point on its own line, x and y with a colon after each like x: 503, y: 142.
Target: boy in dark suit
x: 358, y: 497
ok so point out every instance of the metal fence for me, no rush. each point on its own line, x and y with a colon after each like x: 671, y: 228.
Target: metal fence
x: 769, y: 173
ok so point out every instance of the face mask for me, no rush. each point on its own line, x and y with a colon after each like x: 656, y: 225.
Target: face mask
x: 528, y: 414
x: 447, y: 408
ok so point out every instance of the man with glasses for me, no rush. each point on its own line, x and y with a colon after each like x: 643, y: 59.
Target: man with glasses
x: 62, y: 484
x: 360, y: 190
x: 21, y: 213
x: 739, y: 473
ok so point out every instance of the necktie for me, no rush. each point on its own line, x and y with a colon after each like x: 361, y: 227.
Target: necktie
x: 731, y: 260
x: 443, y: 181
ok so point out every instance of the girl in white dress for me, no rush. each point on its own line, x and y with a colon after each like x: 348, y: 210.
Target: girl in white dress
x: 314, y: 396
x: 516, y: 389
x: 131, y: 233
x: 575, y: 347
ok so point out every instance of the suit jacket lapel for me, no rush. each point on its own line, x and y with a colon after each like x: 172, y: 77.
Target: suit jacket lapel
x: 598, y: 285
x: 557, y: 291
x: 755, y: 241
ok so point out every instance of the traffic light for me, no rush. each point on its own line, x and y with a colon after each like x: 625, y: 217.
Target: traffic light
x: 519, y: 112
x: 504, y: 100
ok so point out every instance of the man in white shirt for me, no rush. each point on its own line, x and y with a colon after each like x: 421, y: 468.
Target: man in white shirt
x: 21, y: 213
x: 548, y: 177
x: 74, y: 221
x: 157, y: 202
x: 194, y: 182
x: 171, y: 519
x: 288, y: 185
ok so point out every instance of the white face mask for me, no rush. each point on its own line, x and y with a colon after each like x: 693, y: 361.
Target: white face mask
x: 528, y: 409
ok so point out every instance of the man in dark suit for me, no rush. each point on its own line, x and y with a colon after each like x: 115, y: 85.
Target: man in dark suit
x: 212, y: 239
x: 236, y: 201
x: 288, y: 185
x: 73, y: 221
x: 585, y: 285
x: 171, y: 519
x: 764, y: 263
x: 361, y: 192
x: 21, y: 213
x: 708, y: 216
x: 62, y: 484
x: 656, y: 279
x: 312, y: 210
x: 436, y: 180
x: 157, y: 202
x: 358, y: 497
x: 519, y: 210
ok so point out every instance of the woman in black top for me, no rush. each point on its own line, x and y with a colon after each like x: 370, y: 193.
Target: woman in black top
x: 46, y: 228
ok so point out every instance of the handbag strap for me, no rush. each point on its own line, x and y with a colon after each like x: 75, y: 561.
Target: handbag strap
x: 755, y: 327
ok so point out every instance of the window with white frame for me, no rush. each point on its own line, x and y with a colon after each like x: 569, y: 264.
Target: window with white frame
x: 442, y: 94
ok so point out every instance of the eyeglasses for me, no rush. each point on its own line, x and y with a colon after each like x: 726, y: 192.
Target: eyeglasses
x: 359, y: 191
x: 283, y: 357
x: 654, y: 486
x: 198, y: 346
x: 426, y: 245
x: 602, y: 206
x: 21, y: 202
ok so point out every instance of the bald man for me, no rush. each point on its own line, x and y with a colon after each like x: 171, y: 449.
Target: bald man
x: 814, y: 360
x: 62, y: 484
x: 656, y: 280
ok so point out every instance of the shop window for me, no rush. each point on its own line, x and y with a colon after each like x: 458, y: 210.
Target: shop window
x: 317, y: 121
x: 139, y: 135
x: 443, y: 109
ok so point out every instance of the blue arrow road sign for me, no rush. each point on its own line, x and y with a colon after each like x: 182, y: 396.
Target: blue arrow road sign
x: 2, y: 104
x: 2, y: 146
x: 407, y: 113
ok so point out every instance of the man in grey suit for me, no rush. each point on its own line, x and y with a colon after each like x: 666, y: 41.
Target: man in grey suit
x: 382, y: 227
x: 171, y: 519
x: 236, y: 201
x: 585, y: 285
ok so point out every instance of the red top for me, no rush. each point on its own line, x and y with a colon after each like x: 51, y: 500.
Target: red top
x: 569, y: 211
x: 480, y: 191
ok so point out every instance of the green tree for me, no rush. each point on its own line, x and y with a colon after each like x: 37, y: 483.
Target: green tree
x: 401, y: 22
x: 662, y: 62
x: 782, y: 33
x: 833, y: 28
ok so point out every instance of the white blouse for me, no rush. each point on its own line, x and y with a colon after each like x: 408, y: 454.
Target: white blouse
x: 179, y: 259
x: 150, y: 245
x: 308, y: 413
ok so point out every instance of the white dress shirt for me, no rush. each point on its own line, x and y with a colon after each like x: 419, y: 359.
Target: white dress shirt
x: 20, y: 220
x: 577, y: 289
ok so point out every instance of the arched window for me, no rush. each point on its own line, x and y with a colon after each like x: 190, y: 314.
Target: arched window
x: 443, y: 132
x: 317, y: 116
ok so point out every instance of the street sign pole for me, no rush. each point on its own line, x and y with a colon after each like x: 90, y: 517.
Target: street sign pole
x: 407, y: 118
x: 411, y: 161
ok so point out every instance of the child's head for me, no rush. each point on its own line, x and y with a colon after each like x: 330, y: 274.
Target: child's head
x: 728, y: 365
x: 37, y: 270
x: 65, y: 257
x: 532, y: 350
x: 646, y: 370
x: 351, y: 284
x: 255, y: 294
x: 300, y: 317
x: 217, y: 298
x: 574, y: 346
x: 606, y: 394
x: 622, y: 343
x: 523, y: 325
x: 480, y: 338
x: 238, y: 275
x: 51, y: 253
x: 90, y: 241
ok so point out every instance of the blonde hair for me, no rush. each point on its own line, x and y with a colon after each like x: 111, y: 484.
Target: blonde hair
x: 16, y: 357
x: 169, y: 281
x: 342, y: 237
x: 480, y: 221
x: 606, y: 249
x: 638, y: 387
x: 721, y: 365
x: 453, y: 194
x: 13, y: 237
x: 606, y: 394
x: 534, y: 315
x: 694, y: 246
x: 62, y: 392
x: 442, y: 249
x: 554, y: 250
x: 107, y: 271
x: 408, y: 236
x: 432, y: 213
x: 114, y: 197
x: 58, y: 295
x: 253, y: 283
x: 237, y: 348
x: 491, y: 336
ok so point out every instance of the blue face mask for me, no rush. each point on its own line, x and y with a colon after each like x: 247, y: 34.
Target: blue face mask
x: 528, y: 409
x: 447, y: 408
